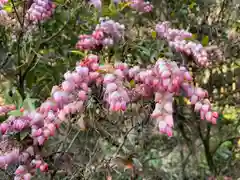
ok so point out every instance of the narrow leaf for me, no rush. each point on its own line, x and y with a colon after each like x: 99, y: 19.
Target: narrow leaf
x: 205, y: 41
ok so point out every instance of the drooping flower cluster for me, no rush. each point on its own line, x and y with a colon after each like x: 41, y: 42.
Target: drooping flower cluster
x: 40, y: 10
x: 6, y: 108
x: 140, y: 5
x: 163, y: 112
x: 107, y: 33
x: 162, y: 81
x: 66, y: 99
x: 115, y: 93
x: 198, y: 97
x: 176, y: 39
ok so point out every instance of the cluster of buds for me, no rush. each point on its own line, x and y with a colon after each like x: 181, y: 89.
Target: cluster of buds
x: 198, y: 97
x: 140, y: 5
x: 115, y: 93
x: 6, y: 108
x: 107, y: 33
x: 162, y: 80
x: 26, y: 172
x: 40, y: 10
x: 28, y: 159
x: 9, y: 152
x: 176, y: 39
x: 2, y: 2
x: 28, y: 165
x: 163, y: 112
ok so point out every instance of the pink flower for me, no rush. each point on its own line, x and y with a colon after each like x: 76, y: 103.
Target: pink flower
x: 96, y: 3
x: 82, y: 95
x: 68, y: 86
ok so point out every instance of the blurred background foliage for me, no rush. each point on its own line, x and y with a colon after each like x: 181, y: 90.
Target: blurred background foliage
x: 31, y: 62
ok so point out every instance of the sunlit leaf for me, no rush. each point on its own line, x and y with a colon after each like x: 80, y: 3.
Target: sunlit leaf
x: 205, y: 41
x: 132, y: 83
x: 78, y: 52
x: 23, y: 134
x: 123, y: 5
x: 8, y: 8
x: 15, y: 113
x: 227, y: 144
x: 238, y: 143
x: 154, y: 34
x: 187, y: 101
x: 28, y: 104
x: 191, y: 6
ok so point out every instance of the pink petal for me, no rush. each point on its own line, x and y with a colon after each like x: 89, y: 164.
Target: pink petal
x: 168, y: 107
x: 169, y: 120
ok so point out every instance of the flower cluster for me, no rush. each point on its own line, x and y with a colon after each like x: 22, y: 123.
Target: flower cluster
x: 2, y: 2
x: 141, y: 5
x: 138, y: 5
x: 66, y: 99
x: 9, y: 152
x: 162, y: 81
x: 105, y: 34
x: 115, y: 93
x: 6, y: 108
x: 176, y: 39
x: 198, y: 97
x: 3, y: 14
x: 40, y: 10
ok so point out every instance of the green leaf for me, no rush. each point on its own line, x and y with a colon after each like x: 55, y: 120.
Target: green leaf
x: 30, y: 79
x: 28, y: 104
x: 78, y: 52
x: 132, y: 83
x: 144, y: 50
x: 23, y: 135
x: 154, y: 34
x: 17, y: 98
x: 7, y: 99
x: 15, y: 113
x: 123, y: 5
x: 155, y: 163
x: 205, y: 41
x: 191, y: 6
x: 2, y: 118
x: 224, y: 153
x: 60, y: 1
x: 172, y: 14
x: 227, y: 144
x: 8, y: 8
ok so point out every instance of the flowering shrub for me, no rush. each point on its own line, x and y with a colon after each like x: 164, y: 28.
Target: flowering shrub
x: 164, y: 80
x: 116, y: 86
